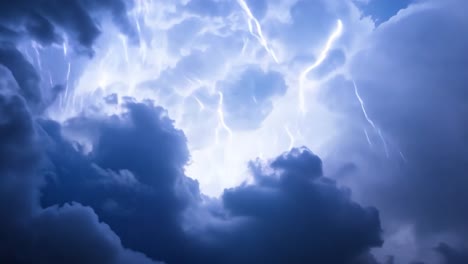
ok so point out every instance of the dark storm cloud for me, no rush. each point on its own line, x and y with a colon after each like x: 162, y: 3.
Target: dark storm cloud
x: 49, y: 21
x: 8, y: 35
x: 73, y: 234
x: 24, y: 79
x: 128, y: 171
x: 133, y: 177
x: 412, y: 78
x: 295, y: 215
x: 134, y: 180
x: 414, y: 81
x: 23, y: 72
x: 452, y: 255
x: 248, y: 97
x: 18, y: 154
x: 29, y: 233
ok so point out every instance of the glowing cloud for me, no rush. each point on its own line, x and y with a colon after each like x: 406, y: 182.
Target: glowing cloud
x: 363, y: 108
x: 322, y: 56
x: 371, y: 123
x: 167, y: 71
x: 222, y: 123
x: 291, y: 137
x: 257, y: 31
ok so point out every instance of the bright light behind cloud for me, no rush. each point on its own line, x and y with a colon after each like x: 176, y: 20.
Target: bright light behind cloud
x: 352, y: 80
x: 322, y: 56
x: 181, y: 62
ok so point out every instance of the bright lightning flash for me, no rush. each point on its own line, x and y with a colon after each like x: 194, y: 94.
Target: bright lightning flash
x: 323, y: 55
x: 370, y: 121
x: 291, y: 137
x: 222, y: 123
x: 38, y: 56
x: 258, y: 34
x: 363, y: 108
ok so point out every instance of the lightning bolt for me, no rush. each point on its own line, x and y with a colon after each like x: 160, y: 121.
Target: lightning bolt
x: 363, y: 108
x: 64, y: 97
x: 369, y: 120
x: 254, y: 99
x: 367, y: 137
x: 322, y: 56
x: 125, y: 46
x: 376, y: 129
x: 142, y: 6
x: 67, y: 83
x: 291, y: 137
x: 38, y: 56
x: 403, y: 157
x: 202, y: 106
x: 50, y: 79
x: 140, y: 11
x: 383, y: 142
x: 138, y: 27
x: 222, y: 123
x: 259, y: 35
x: 65, y: 48
x: 68, y: 72
x: 245, y: 42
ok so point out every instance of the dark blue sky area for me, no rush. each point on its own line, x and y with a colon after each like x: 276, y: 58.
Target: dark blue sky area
x: 383, y: 10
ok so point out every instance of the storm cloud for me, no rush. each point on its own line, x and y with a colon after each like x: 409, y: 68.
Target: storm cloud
x: 134, y: 179
x: 171, y: 132
x: 428, y: 110
x: 49, y: 21
x: 31, y: 234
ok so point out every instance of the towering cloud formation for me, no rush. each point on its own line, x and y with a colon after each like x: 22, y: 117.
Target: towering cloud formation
x: 32, y: 234
x: 24, y: 73
x: 414, y: 88
x: 108, y: 182
x: 134, y: 179
x: 49, y: 21
x: 452, y: 255
x: 133, y: 176
x: 428, y: 112
x: 293, y: 214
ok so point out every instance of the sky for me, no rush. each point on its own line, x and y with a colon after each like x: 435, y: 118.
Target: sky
x: 233, y: 131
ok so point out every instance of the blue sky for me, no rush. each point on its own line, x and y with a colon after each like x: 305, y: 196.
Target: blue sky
x: 381, y: 10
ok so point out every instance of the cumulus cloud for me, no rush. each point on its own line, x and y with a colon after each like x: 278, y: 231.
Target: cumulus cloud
x: 23, y: 72
x: 423, y: 110
x: 32, y: 234
x: 73, y: 234
x: 294, y: 214
x: 93, y: 170
x: 413, y: 84
x: 49, y: 22
x: 452, y: 255
x: 149, y: 209
x: 133, y: 176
